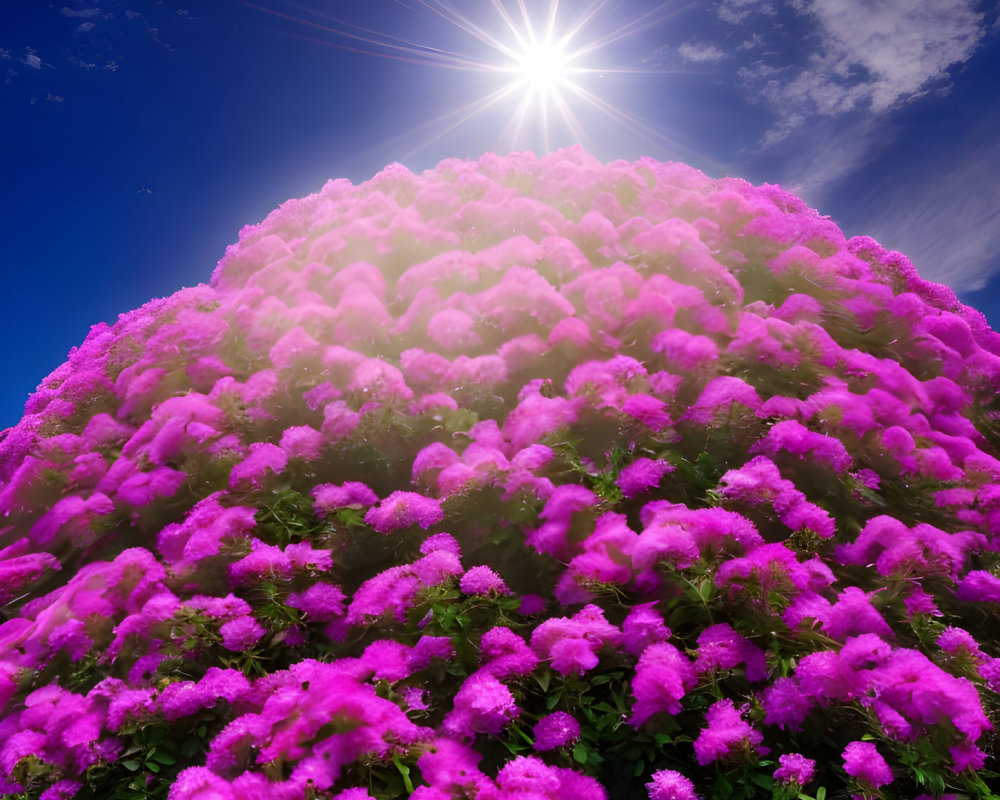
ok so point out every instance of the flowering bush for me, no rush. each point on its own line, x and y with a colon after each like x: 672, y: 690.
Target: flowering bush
x: 522, y: 478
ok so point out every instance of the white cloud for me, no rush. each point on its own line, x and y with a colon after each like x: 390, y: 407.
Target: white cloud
x: 756, y: 40
x: 85, y: 27
x: 4, y: 54
x: 902, y: 45
x: 868, y: 58
x: 735, y: 12
x: 700, y: 53
x: 83, y: 12
x: 32, y: 60
x: 872, y: 56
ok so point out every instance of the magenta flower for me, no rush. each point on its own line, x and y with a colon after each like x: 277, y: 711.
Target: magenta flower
x: 668, y: 784
x: 505, y: 654
x: 721, y: 647
x: 482, y: 705
x: 785, y: 704
x: 241, y: 633
x: 301, y: 441
x: 727, y: 735
x: 558, y: 729
x: 642, y: 627
x: 264, y: 458
x: 641, y: 475
x: 403, y: 510
x: 794, y: 767
x: 572, y: 644
x: 482, y: 580
x: 322, y: 602
x: 662, y: 677
x: 615, y: 385
x: 863, y: 761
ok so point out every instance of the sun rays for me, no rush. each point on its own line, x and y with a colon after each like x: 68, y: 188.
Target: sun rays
x: 543, y: 61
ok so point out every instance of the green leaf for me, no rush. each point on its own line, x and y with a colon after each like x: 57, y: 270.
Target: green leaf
x: 821, y: 793
x: 405, y: 772
x: 763, y: 781
x: 580, y: 753
x: 131, y: 764
x: 164, y: 758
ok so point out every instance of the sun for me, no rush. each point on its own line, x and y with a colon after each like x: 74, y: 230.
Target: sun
x: 544, y: 59
x: 542, y: 67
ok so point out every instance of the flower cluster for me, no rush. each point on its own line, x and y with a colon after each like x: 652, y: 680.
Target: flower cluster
x: 521, y: 478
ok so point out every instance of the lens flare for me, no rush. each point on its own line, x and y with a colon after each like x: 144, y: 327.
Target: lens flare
x: 544, y: 57
x: 543, y: 66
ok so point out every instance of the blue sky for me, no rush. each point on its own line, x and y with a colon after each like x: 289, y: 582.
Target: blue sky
x: 138, y: 136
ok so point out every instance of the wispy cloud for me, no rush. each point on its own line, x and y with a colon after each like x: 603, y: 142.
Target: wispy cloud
x: 31, y: 59
x: 736, y: 12
x: 853, y: 62
x: 828, y: 150
x: 81, y: 12
x: 700, y: 53
x: 901, y: 50
x: 946, y: 215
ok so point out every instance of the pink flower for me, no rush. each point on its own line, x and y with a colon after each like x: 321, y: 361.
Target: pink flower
x: 648, y: 410
x: 727, y: 735
x: 793, y: 437
x: 785, y: 705
x: 721, y: 647
x: 557, y: 517
x: 482, y: 580
x: 863, y: 761
x: 322, y: 602
x: 505, y: 654
x: 794, y: 767
x: 643, y: 626
x: 241, y: 633
x: 642, y: 475
x: 402, y: 510
x: 301, y: 441
x: 264, y: 457
x: 530, y: 777
x: 668, y: 784
x: 329, y: 497
x: 61, y: 790
x: 448, y: 763
x: 200, y: 783
x: 558, y: 729
x: 979, y: 586
x: 482, y: 705
x: 572, y: 643
x: 271, y: 562
x: 662, y: 677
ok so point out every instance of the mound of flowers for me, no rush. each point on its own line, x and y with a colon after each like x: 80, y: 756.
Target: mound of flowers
x: 518, y: 479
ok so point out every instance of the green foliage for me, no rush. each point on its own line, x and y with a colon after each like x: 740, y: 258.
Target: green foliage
x: 152, y: 758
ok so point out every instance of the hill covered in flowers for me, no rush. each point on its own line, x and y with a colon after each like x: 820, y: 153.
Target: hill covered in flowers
x: 520, y: 479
